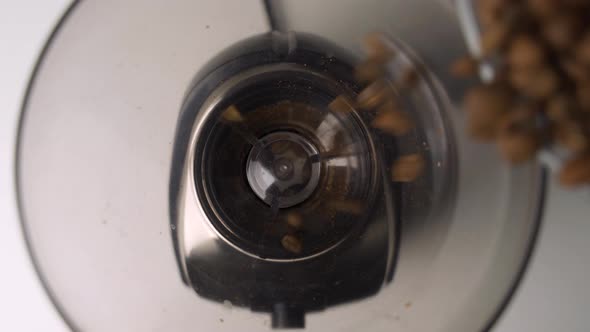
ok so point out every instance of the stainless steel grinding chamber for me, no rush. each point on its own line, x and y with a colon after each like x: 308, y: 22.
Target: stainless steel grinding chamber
x: 277, y: 204
x: 280, y: 201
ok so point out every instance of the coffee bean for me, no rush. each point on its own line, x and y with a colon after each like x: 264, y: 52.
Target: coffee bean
x: 520, y: 79
x: 583, y: 96
x: 582, y: 50
x: 408, y: 79
x: 392, y: 120
x: 484, y: 105
x: 375, y: 94
x: 489, y: 11
x: 516, y: 145
x: 341, y: 104
x: 294, y: 220
x: 494, y: 37
x: 547, y: 82
x: 347, y: 206
x: 576, y: 171
x: 560, y: 107
x: 377, y: 49
x: 561, y: 31
x: 575, y: 71
x: 464, y: 67
x: 292, y: 243
x: 570, y: 135
x: 543, y: 9
x: 522, y: 117
x: 232, y: 114
x: 525, y: 52
x: 408, y: 168
x: 368, y: 71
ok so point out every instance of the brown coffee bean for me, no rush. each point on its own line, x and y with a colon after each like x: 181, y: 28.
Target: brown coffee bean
x: 517, y: 146
x: 562, y: 30
x: 375, y: 94
x: 547, y: 83
x: 378, y: 51
x: 575, y: 70
x: 519, y: 79
x: 294, y: 220
x: 347, y: 206
x: 408, y: 168
x: 464, y: 67
x: 485, y: 106
x: 576, y: 171
x: 525, y: 52
x: 389, y: 106
x: 521, y: 117
x: 518, y: 138
x: 408, y: 79
x: 392, y: 120
x: 488, y: 17
x: 583, y: 50
x: 571, y: 135
x: 543, y: 9
x: 481, y: 130
x: 341, y: 104
x: 232, y: 114
x: 543, y: 84
x: 490, y: 11
x: 560, y: 107
x: 368, y: 71
x: 292, y: 243
x: 583, y: 96
x: 494, y: 37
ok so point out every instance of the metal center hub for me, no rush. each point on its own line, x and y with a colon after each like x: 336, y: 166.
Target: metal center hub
x: 283, y: 169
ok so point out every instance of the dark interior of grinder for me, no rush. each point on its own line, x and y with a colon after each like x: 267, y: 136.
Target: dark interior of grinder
x: 288, y: 182
x: 287, y: 177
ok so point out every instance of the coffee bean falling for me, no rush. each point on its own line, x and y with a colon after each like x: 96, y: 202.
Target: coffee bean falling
x: 232, y: 114
x: 292, y: 243
x: 380, y: 96
x: 407, y: 168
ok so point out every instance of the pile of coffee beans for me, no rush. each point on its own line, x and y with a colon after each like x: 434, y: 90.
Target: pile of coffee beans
x: 540, y: 93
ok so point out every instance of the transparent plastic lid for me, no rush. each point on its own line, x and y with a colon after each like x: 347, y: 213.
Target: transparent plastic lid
x: 205, y: 173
